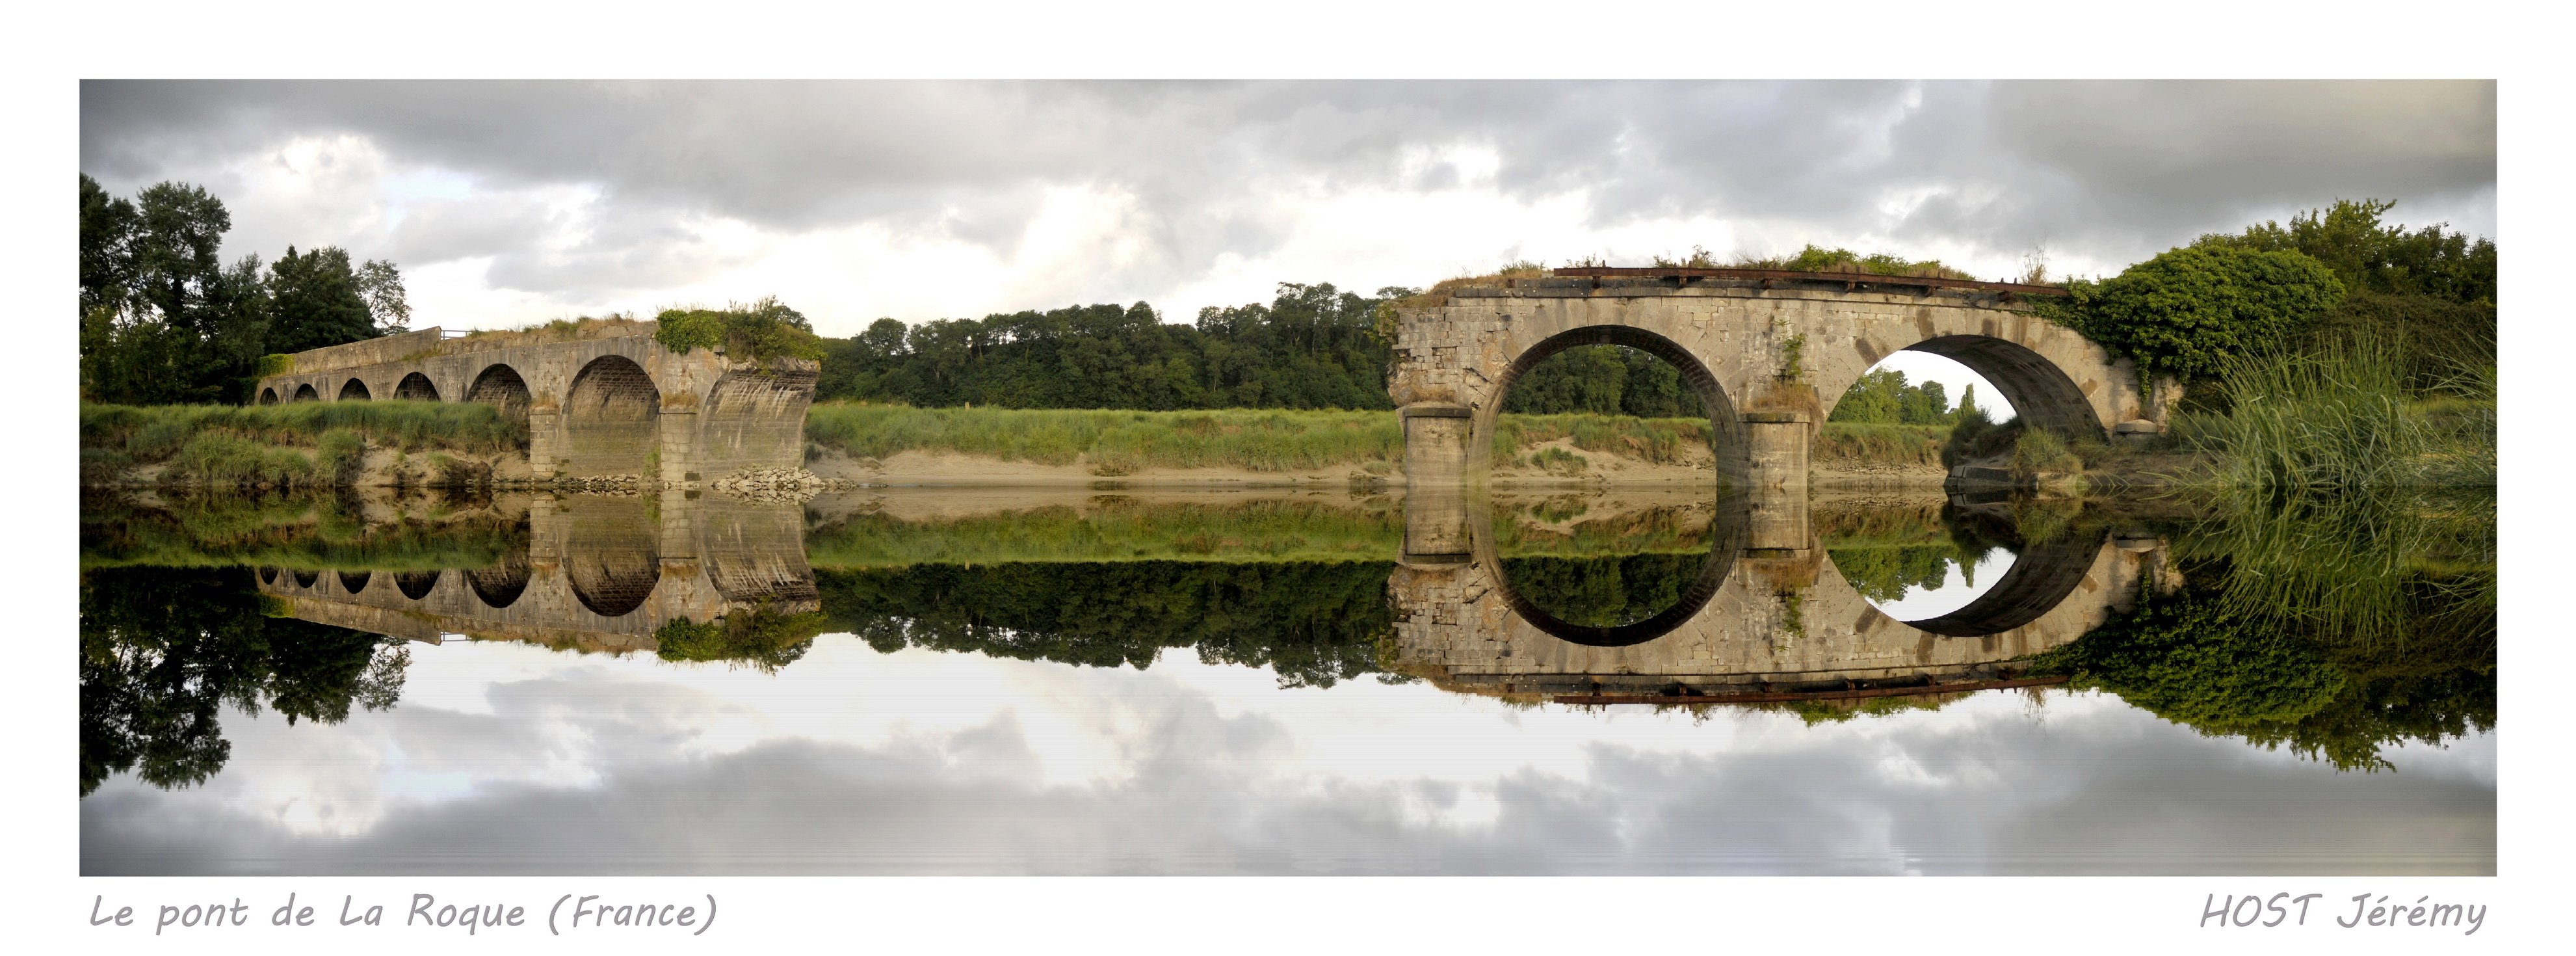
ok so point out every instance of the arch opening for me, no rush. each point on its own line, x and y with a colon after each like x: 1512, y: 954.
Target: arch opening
x: 1620, y: 578
x: 1668, y: 380
x: 416, y: 387
x: 354, y: 583
x: 613, y: 583
x: 499, y: 585
x: 268, y: 396
x: 611, y: 419
x: 417, y: 584
x: 354, y: 391
x: 306, y: 579
x: 500, y: 385
x: 305, y: 393
x: 2041, y: 394
x: 267, y: 575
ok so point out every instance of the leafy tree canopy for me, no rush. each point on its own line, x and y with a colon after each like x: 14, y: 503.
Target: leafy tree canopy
x: 2190, y: 311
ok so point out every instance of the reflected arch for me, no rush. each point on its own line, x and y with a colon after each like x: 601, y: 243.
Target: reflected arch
x: 417, y: 584
x: 2042, y: 576
x: 1725, y: 432
x: 1727, y: 535
x: 416, y: 387
x: 355, y: 582
x: 306, y: 579
x: 499, y: 585
x: 611, y: 419
x: 354, y: 391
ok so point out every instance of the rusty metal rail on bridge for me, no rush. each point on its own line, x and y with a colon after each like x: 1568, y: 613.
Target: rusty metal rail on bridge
x: 1785, y: 697
x: 1850, y: 280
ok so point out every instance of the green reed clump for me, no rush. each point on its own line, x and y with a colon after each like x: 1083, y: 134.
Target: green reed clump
x: 1116, y: 442
x: 2342, y: 416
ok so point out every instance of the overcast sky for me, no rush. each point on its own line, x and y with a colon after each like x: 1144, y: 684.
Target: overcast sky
x: 509, y: 203
x: 511, y: 758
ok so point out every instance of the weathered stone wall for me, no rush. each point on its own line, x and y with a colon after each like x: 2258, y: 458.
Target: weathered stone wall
x: 1776, y: 356
x: 711, y: 416
x: 691, y: 558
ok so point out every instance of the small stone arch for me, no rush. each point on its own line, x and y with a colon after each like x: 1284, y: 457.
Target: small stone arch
x: 416, y: 387
x: 305, y: 393
x: 613, y: 583
x: 306, y: 579
x: 500, y: 385
x: 354, y: 391
x: 355, y: 583
x: 1727, y: 439
x: 267, y: 575
x: 500, y: 584
x: 611, y: 419
x: 268, y: 396
x: 417, y: 584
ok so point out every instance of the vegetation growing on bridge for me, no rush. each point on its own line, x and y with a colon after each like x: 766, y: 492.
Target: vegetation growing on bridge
x: 760, y: 331
x: 761, y: 638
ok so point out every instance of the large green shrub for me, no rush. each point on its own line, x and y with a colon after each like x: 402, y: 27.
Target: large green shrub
x: 763, y: 330
x: 2190, y: 311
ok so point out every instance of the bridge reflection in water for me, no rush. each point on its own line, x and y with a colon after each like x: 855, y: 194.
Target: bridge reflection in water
x: 600, y: 573
x: 1768, y: 618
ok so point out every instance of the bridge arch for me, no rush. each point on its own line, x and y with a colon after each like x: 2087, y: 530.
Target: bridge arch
x: 2042, y: 576
x: 499, y: 384
x: 1725, y: 438
x: 611, y: 419
x: 354, y: 583
x: 416, y: 387
x: 354, y: 391
x: 268, y: 396
x: 306, y: 579
x: 306, y: 393
x: 2041, y: 392
x: 1727, y: 537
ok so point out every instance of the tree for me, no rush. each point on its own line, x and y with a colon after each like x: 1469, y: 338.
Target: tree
x: 316, y: 299
x: 380, y: 285
x: 2370, y: 257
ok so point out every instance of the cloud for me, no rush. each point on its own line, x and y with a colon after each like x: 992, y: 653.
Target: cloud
x: 632, y: 767
x: 1195, y: 179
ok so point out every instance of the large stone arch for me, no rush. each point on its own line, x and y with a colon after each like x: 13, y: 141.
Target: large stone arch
x: 355, y: 581
x: 354, y: 390
x: 1726, y: 437
x: 611, y: 420
x: 1726, y: 536
x: 500, y: 584
x: 611, y: 555
x: 2041, y: 391
x: 417, y: 584
x: 416, y: 387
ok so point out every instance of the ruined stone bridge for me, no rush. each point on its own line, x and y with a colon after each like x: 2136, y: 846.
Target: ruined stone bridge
x: 601, y: 573
x: 1770, y: 353
x: 599, y: 398
x: 1768, y: 613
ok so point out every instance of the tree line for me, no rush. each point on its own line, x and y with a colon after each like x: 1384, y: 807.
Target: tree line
x: 163, y: 320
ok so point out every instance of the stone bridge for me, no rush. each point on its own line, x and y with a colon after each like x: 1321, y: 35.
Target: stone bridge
x: 600, y: 398
x: 1768, y: 615
x: 601, y: 573
x: 1769, y: 353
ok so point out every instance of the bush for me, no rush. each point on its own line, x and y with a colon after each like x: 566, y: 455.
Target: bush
x: 761, y: 331
x: 2190, y: 312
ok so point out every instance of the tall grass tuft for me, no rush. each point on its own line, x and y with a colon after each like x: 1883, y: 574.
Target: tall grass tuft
x: 2334, y: 418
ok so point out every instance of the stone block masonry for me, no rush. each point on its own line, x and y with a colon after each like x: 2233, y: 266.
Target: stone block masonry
x: 601, y: 399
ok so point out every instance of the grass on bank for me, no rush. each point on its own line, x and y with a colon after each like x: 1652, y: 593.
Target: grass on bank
x: 303, y: 444
x: 304, y: 532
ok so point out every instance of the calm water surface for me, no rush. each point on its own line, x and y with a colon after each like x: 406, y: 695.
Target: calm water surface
x: 1059, y: 681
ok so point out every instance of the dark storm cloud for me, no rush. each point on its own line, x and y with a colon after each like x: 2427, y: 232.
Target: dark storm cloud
x: 2085, y: 790
x: 2114, y: 170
